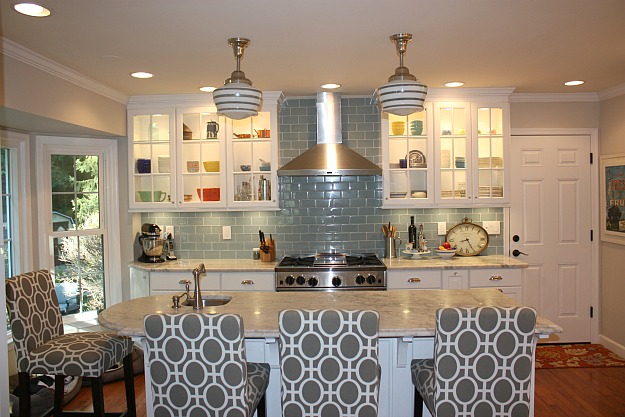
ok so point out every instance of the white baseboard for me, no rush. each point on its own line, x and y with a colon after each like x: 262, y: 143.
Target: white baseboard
x: 615, y: 347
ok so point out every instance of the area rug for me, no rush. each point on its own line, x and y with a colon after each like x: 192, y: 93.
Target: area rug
x: 576, y: 356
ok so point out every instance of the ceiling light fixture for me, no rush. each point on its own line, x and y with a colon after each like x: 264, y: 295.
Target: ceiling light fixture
x: 403, y: 94
x: 575, y: 82
x: 237, y: 99
x: 32, y: 9
x: 454, y: 84
x: 330, y: 86
x: 141, y: 74
x: 207, y: 89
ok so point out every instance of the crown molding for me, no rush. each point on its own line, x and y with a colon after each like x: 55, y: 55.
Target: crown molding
x: 35, y: 60
x: 552, y: 97
x: 156, y: 101
x: 612, y: 92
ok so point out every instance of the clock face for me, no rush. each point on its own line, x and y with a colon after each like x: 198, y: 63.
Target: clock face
x: 468, y: 238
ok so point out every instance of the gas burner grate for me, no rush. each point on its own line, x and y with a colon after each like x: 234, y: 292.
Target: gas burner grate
x: 292, y: 261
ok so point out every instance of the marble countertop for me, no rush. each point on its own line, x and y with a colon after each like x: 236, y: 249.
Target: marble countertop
x: 431, y: 262
x: 403, y: 313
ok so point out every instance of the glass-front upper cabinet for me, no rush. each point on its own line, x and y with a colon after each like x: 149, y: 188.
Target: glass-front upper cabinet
x: 453, y: 147
x: 408, y: 159
x: 201, y: 142
x: 151, y: 170
x: 252, y: 161
x: 491, y: 149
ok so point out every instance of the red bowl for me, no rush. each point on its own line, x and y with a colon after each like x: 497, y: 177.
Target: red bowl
x: 209, y: 194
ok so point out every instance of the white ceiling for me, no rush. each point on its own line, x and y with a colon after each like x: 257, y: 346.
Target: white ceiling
x: 532, y: 45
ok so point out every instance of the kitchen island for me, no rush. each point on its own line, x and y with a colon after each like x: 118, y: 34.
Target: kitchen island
x: 407, y: 323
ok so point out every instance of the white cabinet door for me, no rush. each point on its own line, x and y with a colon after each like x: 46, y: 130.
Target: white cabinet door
x: 139, y: 283
x: 248, y: 281
x: 170, y: 282
x: 417, y: 279
x: 455, y: 280
x: 506, y: 280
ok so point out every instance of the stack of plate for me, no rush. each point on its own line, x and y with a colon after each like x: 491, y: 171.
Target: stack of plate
x: 490, y: 162
x: 454, y: 194
x: 487, y: 191
x: 445, y: 158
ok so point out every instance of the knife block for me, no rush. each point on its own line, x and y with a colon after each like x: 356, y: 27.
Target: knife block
x: 269, y: 256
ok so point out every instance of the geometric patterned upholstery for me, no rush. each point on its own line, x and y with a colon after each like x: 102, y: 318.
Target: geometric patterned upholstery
x: 329, y: 363
x: 482, y: 363
x: 198, y: 366
x: 42, y: 347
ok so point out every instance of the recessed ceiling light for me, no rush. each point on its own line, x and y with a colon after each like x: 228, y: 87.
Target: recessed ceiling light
x: 32, y: 9
x: 207, y: 89
x: 142, y: 74
x: 330, y: 86
x: 576, y: 82
x: 454, y: 84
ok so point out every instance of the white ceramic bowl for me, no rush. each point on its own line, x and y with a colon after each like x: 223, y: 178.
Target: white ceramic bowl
x: 445, y: 253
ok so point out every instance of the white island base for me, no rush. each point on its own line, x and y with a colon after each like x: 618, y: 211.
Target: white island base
x: 407, y: 323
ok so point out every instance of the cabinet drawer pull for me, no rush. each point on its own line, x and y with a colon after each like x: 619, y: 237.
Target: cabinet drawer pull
x: 415, y: 279
x: 247, y: 282
x: 495, y: 278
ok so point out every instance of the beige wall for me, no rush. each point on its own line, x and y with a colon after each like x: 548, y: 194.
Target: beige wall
x: 554, y: 115
x: 612, y: 141
x: 29, y: 91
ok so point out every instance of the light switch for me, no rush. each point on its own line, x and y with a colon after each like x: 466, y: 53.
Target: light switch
x: 226, y: 232
x: 491, y: 227
x: 442, y: 228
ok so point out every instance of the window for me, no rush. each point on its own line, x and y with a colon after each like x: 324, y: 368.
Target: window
x: 78, y: 218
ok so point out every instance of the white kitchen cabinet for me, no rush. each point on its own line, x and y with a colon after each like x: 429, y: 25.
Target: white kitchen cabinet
x: 139, y: 283
x: 506, y: 280
x: 170, y: 282
x: 231, y: 166
x: 455, y: 279
x: 417, y: 279
x: 458, y: 159
x: 248, y: 281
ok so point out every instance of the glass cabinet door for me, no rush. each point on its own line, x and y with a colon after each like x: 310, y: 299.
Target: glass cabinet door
x: 490, y: 150
x: 407, y: 157
x: 201, y: 158
x: 453, y: 140
x: 252, y: 161
x: 151, y: 151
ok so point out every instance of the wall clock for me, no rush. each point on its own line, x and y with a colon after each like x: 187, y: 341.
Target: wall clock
x: 468, y: 238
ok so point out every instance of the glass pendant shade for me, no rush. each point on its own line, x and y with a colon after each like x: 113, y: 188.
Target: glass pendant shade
x: 237, y: 99
x: 403, y: 94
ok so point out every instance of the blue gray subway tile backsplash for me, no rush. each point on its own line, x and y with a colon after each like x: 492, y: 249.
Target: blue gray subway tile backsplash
x: 334, y: 213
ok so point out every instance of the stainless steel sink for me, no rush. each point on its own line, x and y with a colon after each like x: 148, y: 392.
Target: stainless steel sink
x: 210, y: 300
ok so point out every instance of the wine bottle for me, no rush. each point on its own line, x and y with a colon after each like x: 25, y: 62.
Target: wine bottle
x: 412, y: 233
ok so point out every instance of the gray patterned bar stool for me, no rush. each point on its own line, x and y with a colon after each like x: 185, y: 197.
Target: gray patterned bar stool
x: 329, y: 363
x: 482, y: 364
x: 42, y: 348
x: 198, y: 366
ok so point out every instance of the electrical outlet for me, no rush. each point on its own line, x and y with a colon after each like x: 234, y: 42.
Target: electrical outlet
x: 492, y: 228
x: 226, y: 232
x: 442, y: 228
x: 169, y: 230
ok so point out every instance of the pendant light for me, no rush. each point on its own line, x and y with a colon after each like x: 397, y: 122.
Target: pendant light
x: 403, y: 94
x: 237, y: 99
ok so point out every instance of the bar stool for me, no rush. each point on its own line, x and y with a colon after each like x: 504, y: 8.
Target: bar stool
x: 198, y: 366
x: 482, y: 365
x: 329, y: 363
x: 41, y: 347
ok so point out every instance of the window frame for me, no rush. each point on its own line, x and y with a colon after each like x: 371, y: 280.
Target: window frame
x: 106, y: 149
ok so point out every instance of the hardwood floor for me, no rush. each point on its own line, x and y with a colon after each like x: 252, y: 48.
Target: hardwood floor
x: 587, y: 392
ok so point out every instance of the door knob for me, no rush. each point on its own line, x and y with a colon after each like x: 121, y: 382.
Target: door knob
x: 517, y: 252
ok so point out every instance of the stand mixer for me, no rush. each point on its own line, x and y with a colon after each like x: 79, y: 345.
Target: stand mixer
x: 151, y: 243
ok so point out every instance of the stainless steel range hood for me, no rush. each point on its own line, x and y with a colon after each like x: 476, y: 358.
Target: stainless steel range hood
x: 329, y: 156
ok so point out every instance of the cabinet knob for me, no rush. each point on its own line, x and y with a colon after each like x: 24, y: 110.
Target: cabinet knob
x: 247, y: 282
x: 415, y: 279
x: 495, y: 278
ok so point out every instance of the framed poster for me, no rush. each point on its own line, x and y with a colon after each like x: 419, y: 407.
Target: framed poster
x: 613, y: 198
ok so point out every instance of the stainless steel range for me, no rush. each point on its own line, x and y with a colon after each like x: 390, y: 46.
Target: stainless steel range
x: 331, y: 272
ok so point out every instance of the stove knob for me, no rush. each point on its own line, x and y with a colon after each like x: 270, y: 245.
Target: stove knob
x: 290, y: 280
x: 371, y: 279
x: 300, y: 280
x: 312, y: 281
x: 336, y: 281
x: 360, y: 279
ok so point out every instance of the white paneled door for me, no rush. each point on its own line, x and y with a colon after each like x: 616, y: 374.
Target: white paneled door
x: 550, y: 224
